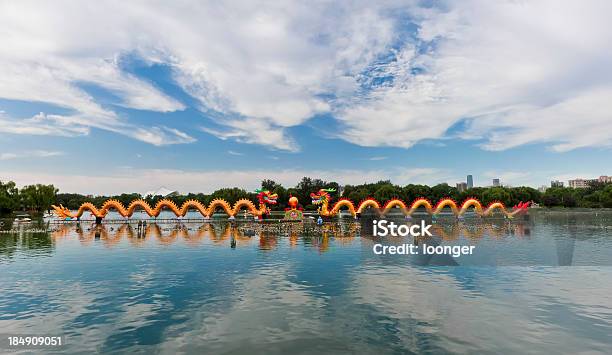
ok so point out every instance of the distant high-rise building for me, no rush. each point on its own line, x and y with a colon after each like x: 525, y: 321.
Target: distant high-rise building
x: 543, y: 188
x: 605, y: 179
x: 495, y: 182
x: 461, y: 186
x: 470, y: 182
x: 580, y: 183
x: 556, y: 183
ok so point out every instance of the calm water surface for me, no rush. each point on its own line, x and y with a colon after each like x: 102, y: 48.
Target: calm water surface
x: 539, y: 286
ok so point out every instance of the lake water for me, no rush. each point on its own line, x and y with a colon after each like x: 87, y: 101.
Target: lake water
x: 542, y: 285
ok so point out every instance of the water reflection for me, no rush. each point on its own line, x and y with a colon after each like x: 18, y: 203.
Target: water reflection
x: 498, y: 242
x: 220, y: 232
x: 258, y: 288
x: 30, y: 244
x: 217, y: 233
x: 111, y: 235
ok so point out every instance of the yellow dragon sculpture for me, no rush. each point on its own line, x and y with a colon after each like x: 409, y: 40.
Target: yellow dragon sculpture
x: 265, y: 198
x: 323, y: 198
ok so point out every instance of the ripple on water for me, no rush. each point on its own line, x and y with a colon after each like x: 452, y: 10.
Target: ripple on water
x: 194, y: 291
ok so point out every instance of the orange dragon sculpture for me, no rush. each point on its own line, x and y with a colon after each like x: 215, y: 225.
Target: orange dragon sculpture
x: 264, y: 197
x: 323, y: 198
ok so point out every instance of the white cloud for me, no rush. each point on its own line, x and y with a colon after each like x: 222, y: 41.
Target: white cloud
x: 577, y: 122
x: 44, y: 58
x: 521, y: 72
x: 161, y: 135
x: 255, y: 131
x: 29, y: 154
x: 446, y: 303
x: 260, y: 68
x: 41, y: 124
x: 231, y: 152
x: 122, y: 179
x: 69, y: 126
x: 141, y: 180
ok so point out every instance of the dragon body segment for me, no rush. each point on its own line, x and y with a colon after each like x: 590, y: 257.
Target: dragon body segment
x: 265, y: 198
x: 323, y: 199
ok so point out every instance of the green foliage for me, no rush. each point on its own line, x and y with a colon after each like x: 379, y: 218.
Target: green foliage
x: 494, y: 194
x: 234, y: 194
x: 9, y: 197
x: 276, y: 188
x: 35, y: 198
x: 596, y: 196
x: 411, y: 192
x: 306, y: 186
x: 441, y: 191
x: 357, y: 195
x: 387, y: 192
x: 38, y: 197
x: 270, y: 185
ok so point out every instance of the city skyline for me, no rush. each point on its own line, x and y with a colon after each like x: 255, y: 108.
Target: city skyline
x: 283, y: 91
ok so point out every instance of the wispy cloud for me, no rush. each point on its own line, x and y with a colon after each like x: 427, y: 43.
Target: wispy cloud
x: 142, y: 180
x: 161, y: 135
x: 256, y: 132
x: 541, y: 95
x: 270, y: 67
x: 231, y: 152
x: 377, y: 158
x: 79, y: 125
x: 30, y: 154
x: 41, y: 125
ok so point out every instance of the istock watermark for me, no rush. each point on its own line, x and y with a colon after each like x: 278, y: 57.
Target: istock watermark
x: 384, y: 228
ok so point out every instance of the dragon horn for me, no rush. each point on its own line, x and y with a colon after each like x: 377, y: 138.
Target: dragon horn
x: 261, y: 190
x: 329, y: 190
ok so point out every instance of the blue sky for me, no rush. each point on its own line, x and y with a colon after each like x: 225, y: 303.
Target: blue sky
x: 210, y: 95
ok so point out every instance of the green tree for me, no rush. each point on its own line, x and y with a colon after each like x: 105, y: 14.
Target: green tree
x: 38, y: 197
x: 306, y: 186
x: 441, y: 191
x: 357, y: 195
x: 606, y: 196
x: 387, y: 192
x: 560, y: 196
x: 411, y: 192
x: 9, y: 197
x: 493, y: 194
x: 524, y: 194
x: 269, y: 185
x: 233, y: 194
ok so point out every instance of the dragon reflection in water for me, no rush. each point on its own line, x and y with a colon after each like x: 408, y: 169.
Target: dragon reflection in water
x: 266, y: 236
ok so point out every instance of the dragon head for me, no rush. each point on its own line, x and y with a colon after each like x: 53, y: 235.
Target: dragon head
x: 61, y: 212
x: 266, y: 197
x: 321, y: 196
x: 522, y: 206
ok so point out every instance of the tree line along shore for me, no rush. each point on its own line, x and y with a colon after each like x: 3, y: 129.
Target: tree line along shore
x: 38, y: 198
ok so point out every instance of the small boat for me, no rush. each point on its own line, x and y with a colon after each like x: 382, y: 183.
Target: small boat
x: 22, y: 218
